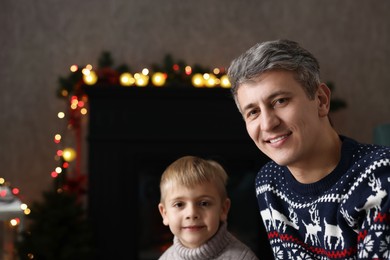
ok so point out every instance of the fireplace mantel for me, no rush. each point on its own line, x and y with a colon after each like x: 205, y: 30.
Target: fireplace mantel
x: 133, y: 134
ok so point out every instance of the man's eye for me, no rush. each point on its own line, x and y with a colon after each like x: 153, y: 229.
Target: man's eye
x: 252, y: 113
x: 279, y: 101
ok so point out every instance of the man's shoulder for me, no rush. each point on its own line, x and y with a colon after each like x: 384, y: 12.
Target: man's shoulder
x: 373, y: 152
x: 365, y: 151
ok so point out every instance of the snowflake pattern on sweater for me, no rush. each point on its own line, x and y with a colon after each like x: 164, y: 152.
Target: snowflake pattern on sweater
x: 346, y: 215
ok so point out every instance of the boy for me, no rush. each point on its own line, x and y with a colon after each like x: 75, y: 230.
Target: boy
x: 195, y: 205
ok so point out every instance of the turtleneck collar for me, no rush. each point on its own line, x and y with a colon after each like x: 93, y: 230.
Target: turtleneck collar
x: 211, y: 249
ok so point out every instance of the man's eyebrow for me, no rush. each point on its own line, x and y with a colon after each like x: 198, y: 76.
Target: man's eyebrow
x: 278, y: 93
x: 249, y: 106
x: 270, y: 97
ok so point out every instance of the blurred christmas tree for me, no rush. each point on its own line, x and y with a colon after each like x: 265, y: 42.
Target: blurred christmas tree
x: 59, y: 228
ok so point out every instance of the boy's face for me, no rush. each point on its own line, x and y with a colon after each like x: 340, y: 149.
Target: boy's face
x: 280, y: 118
x: 193, y: 214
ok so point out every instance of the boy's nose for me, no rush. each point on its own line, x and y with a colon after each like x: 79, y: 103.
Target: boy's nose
x: 192, y: 212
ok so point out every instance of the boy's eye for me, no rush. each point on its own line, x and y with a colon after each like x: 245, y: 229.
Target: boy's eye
x: 204, y: 203
x: 178, y: 205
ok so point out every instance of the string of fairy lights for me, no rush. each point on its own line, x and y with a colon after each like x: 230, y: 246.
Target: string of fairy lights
x: 216, y: 78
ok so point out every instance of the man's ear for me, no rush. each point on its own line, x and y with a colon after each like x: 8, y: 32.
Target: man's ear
x: 163, y: 213
x: 225, y: 209
x: 323, y: 97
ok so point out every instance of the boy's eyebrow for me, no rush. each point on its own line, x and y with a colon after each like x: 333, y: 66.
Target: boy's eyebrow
x: 203, y: 196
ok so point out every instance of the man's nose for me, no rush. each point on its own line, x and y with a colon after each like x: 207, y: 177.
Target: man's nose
x: 268, y: 120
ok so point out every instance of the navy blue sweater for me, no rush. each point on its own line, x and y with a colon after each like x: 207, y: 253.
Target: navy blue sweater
x: 346, y: 215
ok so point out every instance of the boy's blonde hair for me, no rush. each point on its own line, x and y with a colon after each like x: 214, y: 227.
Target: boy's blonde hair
x: 189, y: 171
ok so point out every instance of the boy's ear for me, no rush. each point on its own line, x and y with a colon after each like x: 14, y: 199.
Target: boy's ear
x: 225, y: 209
x: 163, y: 213
x: 323, y: 95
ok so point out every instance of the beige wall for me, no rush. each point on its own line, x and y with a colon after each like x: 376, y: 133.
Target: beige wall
x: 39, y: 40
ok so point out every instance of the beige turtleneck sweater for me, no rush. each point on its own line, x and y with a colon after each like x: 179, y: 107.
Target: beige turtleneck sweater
x: 222, y: 246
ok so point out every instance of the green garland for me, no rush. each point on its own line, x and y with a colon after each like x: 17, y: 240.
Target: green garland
x: 109, y: 74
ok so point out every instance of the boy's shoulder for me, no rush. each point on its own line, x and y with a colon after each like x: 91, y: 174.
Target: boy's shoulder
x: 168, y: 254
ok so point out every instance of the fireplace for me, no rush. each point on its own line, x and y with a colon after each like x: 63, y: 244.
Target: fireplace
x: 133, y: 134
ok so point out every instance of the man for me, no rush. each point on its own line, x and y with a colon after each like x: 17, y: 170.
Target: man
x: 322, y: 195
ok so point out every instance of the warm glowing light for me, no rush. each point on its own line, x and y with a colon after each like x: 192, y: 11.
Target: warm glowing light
x: 64, y: 93
x: 141, y: 80
x: 145, y: 71
x: 27, y: 211
x: 197, y: 80
x: 2, y: 180
x: 69, y: 154
x: 85, y: 71
x: 14, y: 222
x: 57, y: 138
x: 15, y: 191
x: 176, y: 67
x: 89, y: 67
x: 188, y: 70
x: 210, y: 80
x: 83, y: 111
x: 225, y: 83
x: 61, y: 114
x: 216, y: 71
x: 74, y: 103
x: 126, y: 79
x: 58, y: 170
x: 74, y: 68
x: 59, y: 152
x: 23, y: 206
x: 53, y: 174
x: 158, y: 79
x: 90, y: 78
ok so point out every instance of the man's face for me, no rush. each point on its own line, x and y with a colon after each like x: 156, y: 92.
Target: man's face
x: 280, y: 118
